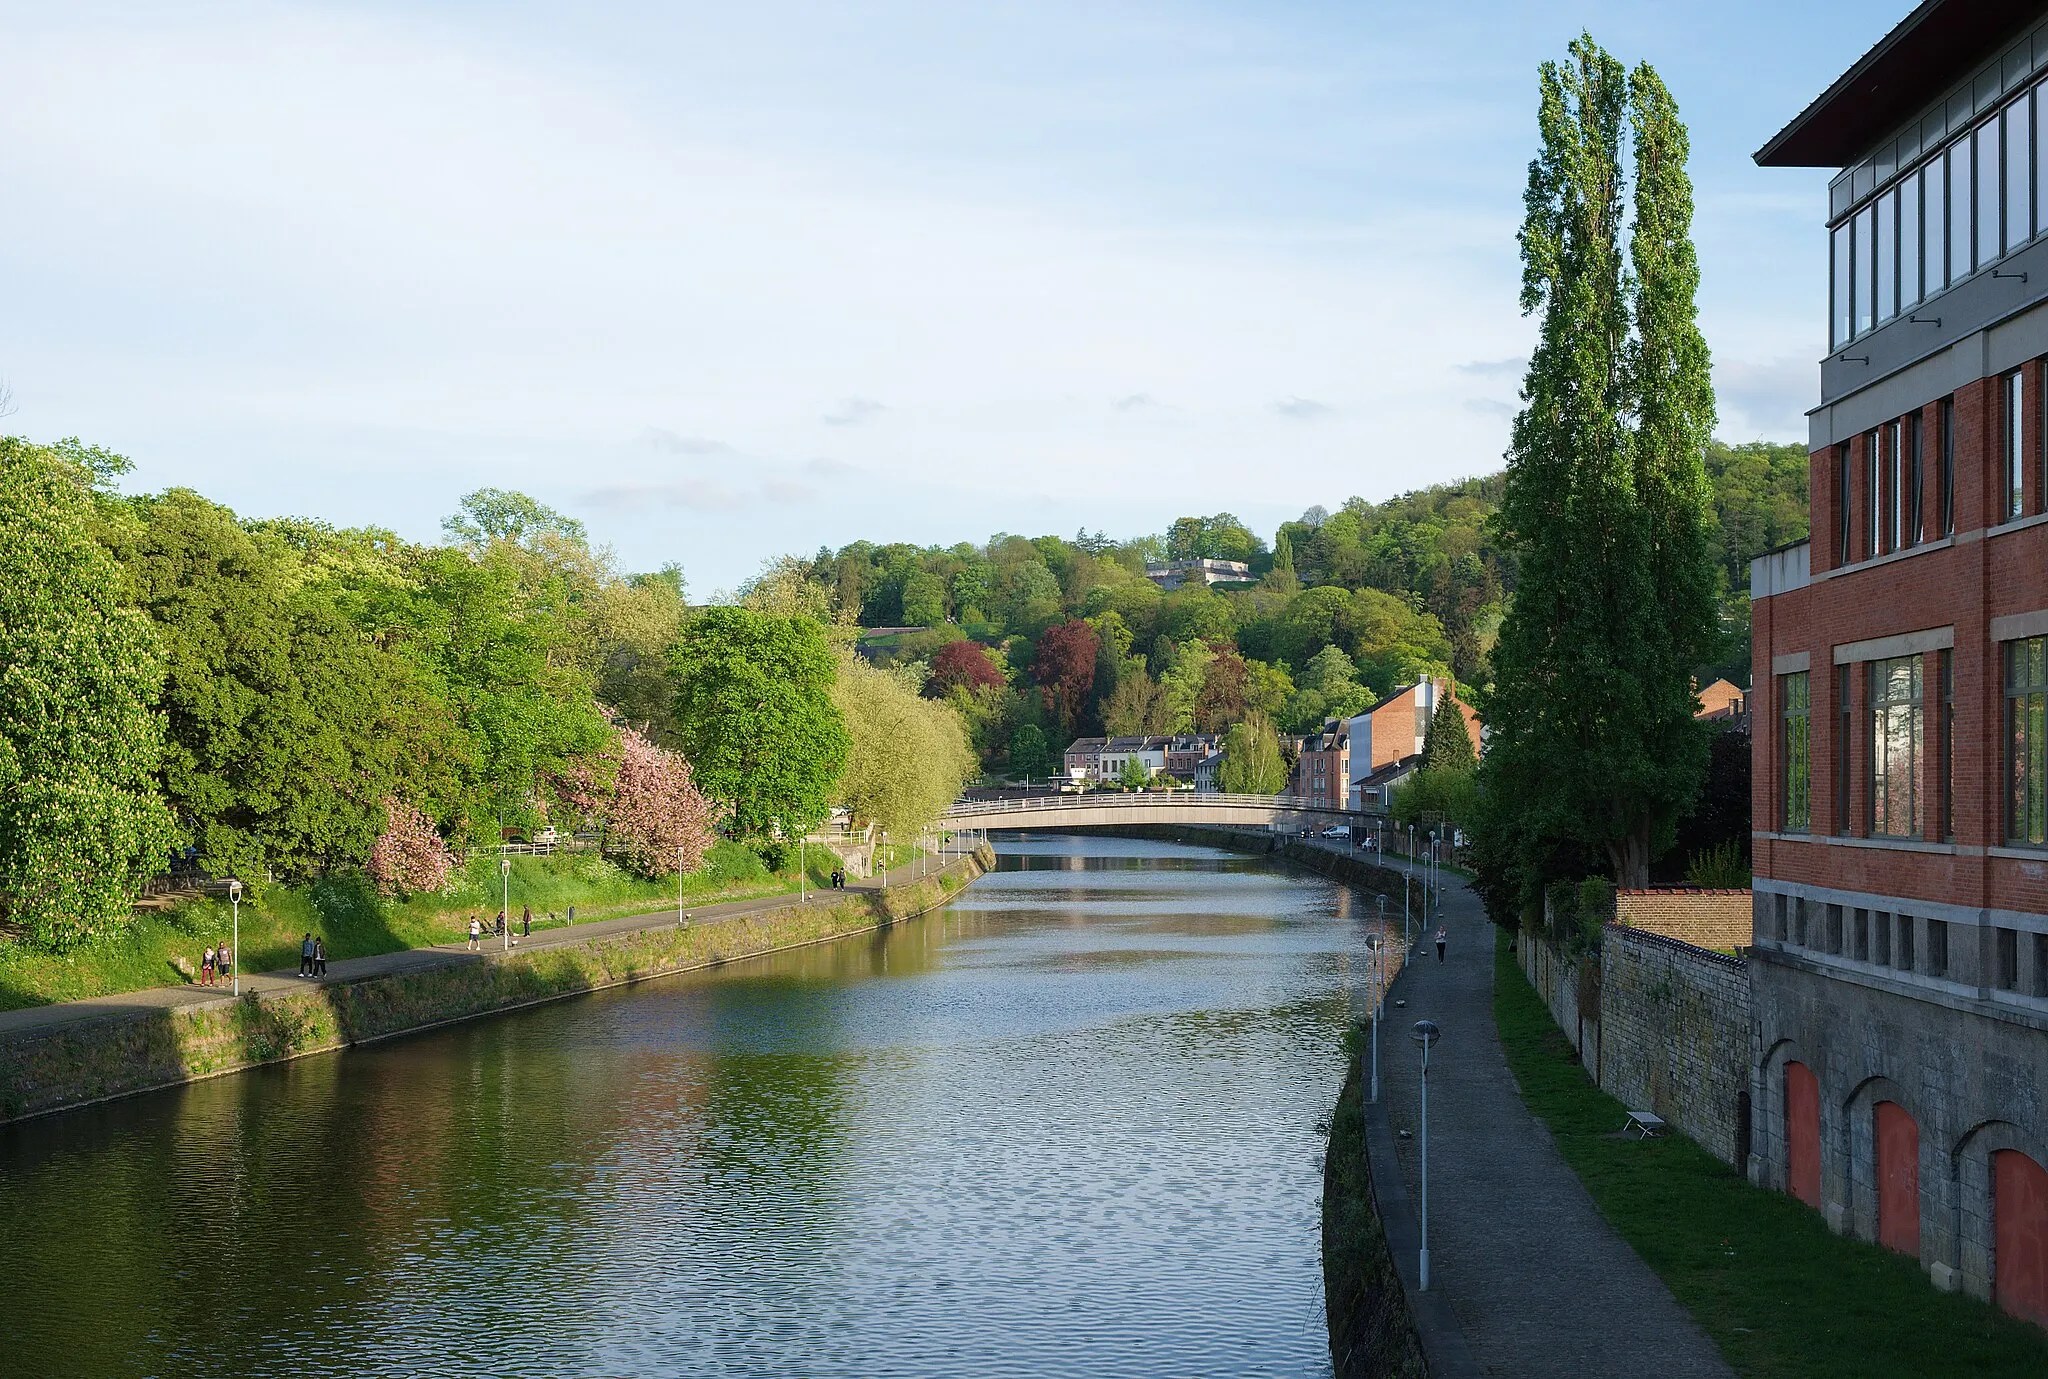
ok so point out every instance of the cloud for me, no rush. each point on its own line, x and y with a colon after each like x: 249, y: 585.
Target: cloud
x: 823, y: 468
x: 1135, y: 402
x: 670, y: 443
x: 1303, y: 408
x: 854, y: 411
x: 1765, y: 400
x: 1496, y: 368
x: 696, y: 495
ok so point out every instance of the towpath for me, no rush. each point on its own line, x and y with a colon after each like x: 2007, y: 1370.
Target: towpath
x: 1526, y: 1270
x: 133, y: 1003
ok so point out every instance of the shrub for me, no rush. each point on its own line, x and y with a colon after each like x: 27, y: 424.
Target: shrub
x: 409, y: 857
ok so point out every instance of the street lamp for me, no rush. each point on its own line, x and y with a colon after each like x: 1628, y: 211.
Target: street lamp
x: 505, y: 907
x: 235, y: 948
x: 803, y: 894
x: 1425, y: 1034
x: 1376, y: 945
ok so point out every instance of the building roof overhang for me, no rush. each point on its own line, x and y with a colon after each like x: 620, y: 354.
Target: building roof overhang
x: 1926, y: 53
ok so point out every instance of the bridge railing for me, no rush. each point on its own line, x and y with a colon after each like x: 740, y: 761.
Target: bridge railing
x: 1037, y: 804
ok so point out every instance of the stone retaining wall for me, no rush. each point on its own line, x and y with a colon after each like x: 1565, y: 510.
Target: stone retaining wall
x: 1661, y: 1025
x: 1720, y: 919
x: 75, y: 1064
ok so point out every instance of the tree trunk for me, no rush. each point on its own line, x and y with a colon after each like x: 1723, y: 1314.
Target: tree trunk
x: 1630, y: 855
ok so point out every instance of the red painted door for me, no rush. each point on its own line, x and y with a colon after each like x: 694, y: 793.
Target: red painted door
x: 2019, y: 1213
x: 1898, y: 1179
x: 1802, y: 1134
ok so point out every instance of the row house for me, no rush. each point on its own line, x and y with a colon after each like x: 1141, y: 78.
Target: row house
x: 1899, y: 692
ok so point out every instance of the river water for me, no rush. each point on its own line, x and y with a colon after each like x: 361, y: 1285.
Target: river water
x: 1068, y: 1126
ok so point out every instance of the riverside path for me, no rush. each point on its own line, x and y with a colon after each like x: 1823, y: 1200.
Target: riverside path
x: 1538, y: 1284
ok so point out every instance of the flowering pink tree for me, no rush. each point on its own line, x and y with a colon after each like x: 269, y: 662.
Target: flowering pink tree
x: 658, y: 821
x: 409, y: 857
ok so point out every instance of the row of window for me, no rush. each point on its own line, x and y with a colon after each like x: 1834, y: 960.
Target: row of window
x: 1891, y: 485
x: 1902, y: 801
x: 1903, y: 942
x: 1969, y: 205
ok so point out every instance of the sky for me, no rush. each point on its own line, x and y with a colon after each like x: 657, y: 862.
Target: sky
x: 728, y: 281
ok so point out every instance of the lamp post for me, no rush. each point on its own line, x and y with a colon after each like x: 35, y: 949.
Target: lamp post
x: 1376, y: 944
x: 505, y: 911
x: 235, y: 949
x: 803, y: 879
x: 1425, y: 1034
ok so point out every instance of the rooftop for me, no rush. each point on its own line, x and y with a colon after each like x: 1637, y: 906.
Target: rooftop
x: 1930, y: 49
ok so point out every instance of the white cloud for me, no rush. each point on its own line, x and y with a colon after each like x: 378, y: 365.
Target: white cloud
x: 854, y: 411
x: 1303, y: 408
x: 1765, y: 400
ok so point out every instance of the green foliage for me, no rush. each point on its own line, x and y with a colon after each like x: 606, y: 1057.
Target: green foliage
x: 1435, y: 796
x: 81, y: 825
x: 755, y: 717
x: 1251, y: 759
x: 1222, y: 537
x: 1134, y: 776
x: 490, y: 515
x: 1031, y: 756
x: 1592, y: 736
x: 1448, y: 744
x: 909, y: 755
x: 1720, y: 867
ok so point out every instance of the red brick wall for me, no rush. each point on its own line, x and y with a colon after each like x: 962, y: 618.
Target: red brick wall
x: 1966, y: 584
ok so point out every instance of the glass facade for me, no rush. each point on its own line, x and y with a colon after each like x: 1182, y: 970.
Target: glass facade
x: 1897, y: 747
x: 2026, y: 735
x: 1968, y: 203
x: 1797, y: 697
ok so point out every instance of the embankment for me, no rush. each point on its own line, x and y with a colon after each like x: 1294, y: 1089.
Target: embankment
x: 69, y: 1065
x: 1372, y: 1334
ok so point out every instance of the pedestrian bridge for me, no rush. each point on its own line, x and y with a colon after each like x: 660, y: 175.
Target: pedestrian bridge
x: 1283, y: 813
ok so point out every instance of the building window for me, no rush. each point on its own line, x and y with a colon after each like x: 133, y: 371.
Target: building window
x: 2013, y: 400
x: 1909, y: 243
x: 2026, y: 736
x: 1948, y: 744
x: 1845, y: 273
x: 2041, y: 964
x: 1778, y: 916
x: 1937, y: 948
x: 1881, y: 930
x: 2019, y: 160
x: 2008, y: 942
x: 1948, y: 466
x: 1861, y: 933
x: 1834, y: 913
x: 1842, y: 497
x: 1797, y: 748
x: 1986, y: 142
x: 1959, y: 211
x: 1885, y: 261
x: 1845, y: 725
x: 1897, y: 771
x: 1903, y: 949
x: 1873, y: 465
x: 1935, y: 201
x: 1915, y: 480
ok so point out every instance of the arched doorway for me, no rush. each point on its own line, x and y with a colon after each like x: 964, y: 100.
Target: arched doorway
x: 1802, y: 1134
x: 1898, y: 1179
x: 2019, y: 1215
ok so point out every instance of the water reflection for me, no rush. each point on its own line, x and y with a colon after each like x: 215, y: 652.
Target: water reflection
x: 1065, y: 1128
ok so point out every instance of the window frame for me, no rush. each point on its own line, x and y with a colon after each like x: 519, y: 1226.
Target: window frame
x: 1896, y: 716
x: 1795, y: 741
x: 2012, y: 404
x: 2025, y: 725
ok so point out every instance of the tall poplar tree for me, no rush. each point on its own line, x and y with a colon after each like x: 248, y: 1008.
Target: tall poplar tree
x: 1592, y: 743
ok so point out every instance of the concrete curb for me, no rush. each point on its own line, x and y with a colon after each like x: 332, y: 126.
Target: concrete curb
x: 1436, y: 1326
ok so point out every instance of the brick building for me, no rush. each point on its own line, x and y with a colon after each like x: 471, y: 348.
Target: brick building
x: 1322, y: 775
x: 1900, y: 690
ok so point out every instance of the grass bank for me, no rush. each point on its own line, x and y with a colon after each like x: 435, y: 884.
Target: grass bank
x: 163, y: 947
x: 1776, y: 1290
x: 1371, y: 1334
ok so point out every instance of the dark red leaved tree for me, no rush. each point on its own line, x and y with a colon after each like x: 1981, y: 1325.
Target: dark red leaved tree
x: 1065, y: 668
x: 962, y: 663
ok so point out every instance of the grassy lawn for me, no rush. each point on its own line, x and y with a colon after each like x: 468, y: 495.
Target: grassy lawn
x: 1775, y: 1289
x: 356, y: 922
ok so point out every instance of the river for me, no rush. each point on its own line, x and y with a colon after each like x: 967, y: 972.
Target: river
x: 1068, y: 1126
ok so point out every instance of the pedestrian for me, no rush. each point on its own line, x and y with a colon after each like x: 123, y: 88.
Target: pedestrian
x: 572, y: 914
x: 319, y: 957
x: 206, y: 967
x: 499, y: 931
x: 525, y: 922
x: 475, y: 931
x: 223, y: 963
x: 306, y: 955
x: 1439, y: 943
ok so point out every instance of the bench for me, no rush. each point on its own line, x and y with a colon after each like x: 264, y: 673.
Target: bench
x: 1644, y: 1125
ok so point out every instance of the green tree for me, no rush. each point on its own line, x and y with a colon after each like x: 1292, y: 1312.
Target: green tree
x: 756, y: 720
x: 1447, y: 746
x: 1591, y: 734
x: 908, y: 756
x: 81, y: 823
x: 1133, y: 776
x: 924, y: 600
x: 1251, y: 759
x: 1031, y: 756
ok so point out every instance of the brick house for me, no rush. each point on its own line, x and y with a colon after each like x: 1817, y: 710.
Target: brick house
x: 1900, y: 679
x: 1322, y: 775
x: 1083, y: 758
x: 1392, y: 731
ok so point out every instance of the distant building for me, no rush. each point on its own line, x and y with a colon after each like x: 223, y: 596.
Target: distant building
x: 1172, y: 574
x: 1322, y: 774
x: 1375, y: 792
x: 1392, y: 731
x: 1185, y: 753
x: 1181, y: 756
x: 1150, y: 752
x: 1083, y: 760
x: 1722, y: 700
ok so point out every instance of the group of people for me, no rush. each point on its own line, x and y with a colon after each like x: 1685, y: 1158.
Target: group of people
x: 217, y: 962
x: 838, y: 880
x: 524, y: 929
x: 312, y: 957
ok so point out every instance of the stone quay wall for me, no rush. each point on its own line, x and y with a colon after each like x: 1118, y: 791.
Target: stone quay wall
x: 73, y: 1065
x: 1663, y: 1026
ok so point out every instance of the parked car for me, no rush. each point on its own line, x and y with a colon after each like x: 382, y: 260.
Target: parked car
x: 1338, y: 831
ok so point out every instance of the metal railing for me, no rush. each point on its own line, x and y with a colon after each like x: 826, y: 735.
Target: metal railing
x: 1178, y: 799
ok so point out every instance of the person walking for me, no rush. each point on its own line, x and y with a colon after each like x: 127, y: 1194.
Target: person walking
x: 319, y: 957
x: 572, y: 914
x: 475, y: 931
x: 206, y: 967
x: 525, y: 922
x: 306, y: 955
x: 499, y: 931
x: 1439, y: 943
x: 223, y: 963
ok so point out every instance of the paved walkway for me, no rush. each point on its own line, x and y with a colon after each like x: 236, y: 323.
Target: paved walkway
x: 134, y: 1003
x: 1536, y: 1280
